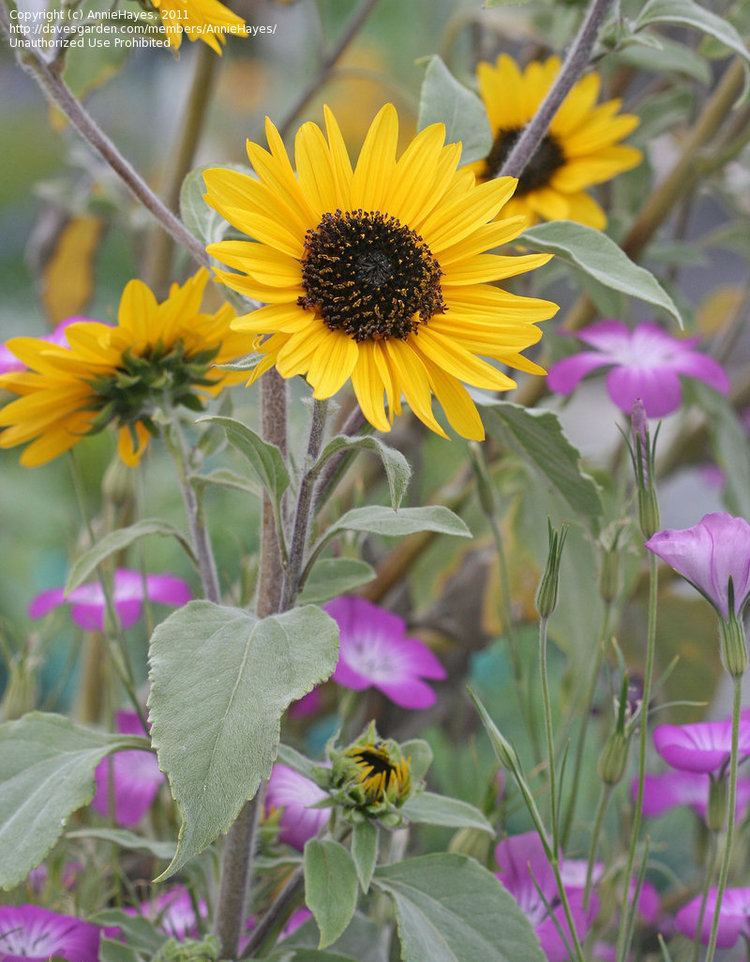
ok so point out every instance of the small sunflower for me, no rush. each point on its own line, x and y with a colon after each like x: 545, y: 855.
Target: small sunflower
x: 378, y: 272
x: 582, y: 147
x: 157, y: 356
x: 206, y: 20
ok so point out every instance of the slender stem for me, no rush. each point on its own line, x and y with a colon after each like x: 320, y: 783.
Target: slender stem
x: 337, y: 465
x: 726, y: 859
x: 575, y: 63
x: 59, y: 94
x: 551, y: 768
x: 710, y: 869
x: 623, y: 939
x: 280, y: 910
x: 303, y: 509
x: 159, y: 260
x: 199, y: 534
x: 578, y: 950
x: 601, y: 810
x: 350, y: 31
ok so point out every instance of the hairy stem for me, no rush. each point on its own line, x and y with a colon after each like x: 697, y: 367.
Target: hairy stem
x: 575, y: 63
x: 59, y: 94
x: 623, y: 940
x: 726, y: 858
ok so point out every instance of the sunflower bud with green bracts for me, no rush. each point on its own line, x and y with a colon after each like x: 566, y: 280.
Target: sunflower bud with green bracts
x: 546, y: 596
x: 371, y: 778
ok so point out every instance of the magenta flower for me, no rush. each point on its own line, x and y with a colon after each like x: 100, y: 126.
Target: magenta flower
x: 374, y: 652
x: 10, y: 363
x: 29, y: 933
x: 135, y: 777
x: 573, y: 874
x: 527, y: 875
x: 668, y: 790
x: 700, y: 747
x: 708, y: 555
x: 294, y: 794
x: 174, y: 913
x: 88, y: 608
x: 646, y: 363
x: 309, y: 704
x: 734, y: 917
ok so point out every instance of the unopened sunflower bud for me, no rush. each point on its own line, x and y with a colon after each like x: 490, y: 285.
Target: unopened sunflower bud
x: 642, y: 452
x: 716, y: 811
x: 546, y: 596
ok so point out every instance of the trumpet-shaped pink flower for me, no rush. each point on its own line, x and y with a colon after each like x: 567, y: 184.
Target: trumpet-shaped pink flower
x: 374, y: 652
x: 174, y: 912
x: 646, y: 363
x: 8, y: 360
x: 135, y: 777
x: 527, y: 875
x: 88, y: 607
x: 294, y: 794
x: 734, y: 917
x: 680, y: 789
x: 30, y: 933
x: 573, y: 873
x: 702, y: 746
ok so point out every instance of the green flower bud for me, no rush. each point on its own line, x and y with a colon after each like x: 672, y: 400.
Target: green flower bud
x: 613, y: 758
x: 716, y: 813
x: 643, y: 453
x: 733, y: 644
x: 546, y: 596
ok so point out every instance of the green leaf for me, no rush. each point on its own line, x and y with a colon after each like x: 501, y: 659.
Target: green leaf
x: 111, y: 950
x: 265, y: 459
x: 47, y: 769
x: 729, y: 442
x: 220, y: 682
x: 200, y: 219
x: 365, y: 838
x: 285, y: 954
x: 141, y: 934
x: 431, y: 809
x: 128, y: 840
x: 537, y: 437
x: 378, y: 519
x: 599, y: 256
x: 300, y: 763
x: 330, y: 887
x: 691, y: 14
x: 451, y: 909
x: 118, y: 541
x: 419, y: 753
x: 331, y: 577
x: 668, y: 57
x: 396, y: 466
x: 224, y: 478
x: 443, y: 100
x: 247, y: 362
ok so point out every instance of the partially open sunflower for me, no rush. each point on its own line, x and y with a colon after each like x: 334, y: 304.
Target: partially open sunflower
x: 582, y: 147
x: 378, y: 272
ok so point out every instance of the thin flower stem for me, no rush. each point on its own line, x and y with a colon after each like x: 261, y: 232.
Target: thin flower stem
x: 348, y: 34
x: 278, y: 913
x: 601, y: 810
x: 726, y: 859
x: 710, y: 869
x: 575, y: 63
x: 623, y: 939
x: 59, y: 94
x: 577, y: 948
x: 551, y: 767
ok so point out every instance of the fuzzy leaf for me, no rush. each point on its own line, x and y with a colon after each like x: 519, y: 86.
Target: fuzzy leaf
x: 265, y: 459
x: 443, y: 100
x: 331, y: 577
x: 396, y: 466
x: 330, y: 887
x: 365, y: 838
x: 690, y: 14
x: 377, y: 519
x: 431, y: 809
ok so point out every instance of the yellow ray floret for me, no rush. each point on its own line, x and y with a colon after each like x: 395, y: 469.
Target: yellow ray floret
x: 378, y: 272
x: 156, y: 356
x: 581, y: 149
x: 206, y: 20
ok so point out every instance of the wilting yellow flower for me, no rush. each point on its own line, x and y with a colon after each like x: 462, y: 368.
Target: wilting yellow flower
x: 378, y: 272
x: 158, y: 356
x: 581, y: 148
x: 206, y: 20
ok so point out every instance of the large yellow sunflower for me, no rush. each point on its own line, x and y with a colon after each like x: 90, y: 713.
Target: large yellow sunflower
x: 157, y: 356
x: 378, y: 272
x: 581, y: 148
x: 206, y: 20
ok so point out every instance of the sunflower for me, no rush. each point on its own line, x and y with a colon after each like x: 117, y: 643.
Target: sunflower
x: 378, y: 272
x: 206, y: 20
x: 157, y: 356
x: 581, y: 148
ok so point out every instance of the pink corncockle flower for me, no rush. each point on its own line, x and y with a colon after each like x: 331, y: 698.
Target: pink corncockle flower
x: 30, y: 933
x: 88, y: 607
x: 39, y: 876
x: 701, y: 746
x: 680, y: 789
x: 10, y: 363
x: 527, y: 875
x: 309, y: 704
x: 708, y: 555
x: 135, y: 777
x: 734, y: 917
x: 374, y: 652
x: 173, y: 912
x: 294, y: 794
x: 573, y: 874
x: 646, y: 363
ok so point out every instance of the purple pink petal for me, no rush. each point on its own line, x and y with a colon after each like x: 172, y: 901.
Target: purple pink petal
x: 734, y: 918
x: 294, y: 794
x: 701, y: 746
x: 30, y: 933
x: 134, y: 775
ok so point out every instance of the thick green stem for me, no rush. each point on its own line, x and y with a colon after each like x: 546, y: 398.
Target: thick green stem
x: 628, y: 914
x: 726, y: 859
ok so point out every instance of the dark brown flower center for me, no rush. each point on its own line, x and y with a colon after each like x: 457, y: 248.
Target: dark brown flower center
x: 547, y: 158
x: 368, y: 275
